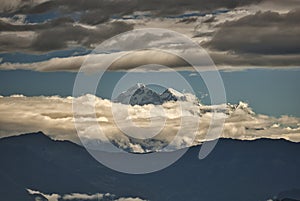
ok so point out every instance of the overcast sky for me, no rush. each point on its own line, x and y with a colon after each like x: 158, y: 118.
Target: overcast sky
x: 54, y: 34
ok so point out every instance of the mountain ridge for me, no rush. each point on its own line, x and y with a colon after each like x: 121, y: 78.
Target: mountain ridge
x: 64, y: 167
x: 40, y: 134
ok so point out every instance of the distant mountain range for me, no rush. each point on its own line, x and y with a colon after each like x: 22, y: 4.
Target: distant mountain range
x: 235, y: 171
x: 140, y: 94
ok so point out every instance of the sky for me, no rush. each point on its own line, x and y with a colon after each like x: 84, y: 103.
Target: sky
x: 253, y: 44
x: 270, y: 92
x: 240, y: 33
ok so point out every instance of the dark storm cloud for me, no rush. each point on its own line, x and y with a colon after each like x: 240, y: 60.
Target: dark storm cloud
x: 260, y: 39
x: 94, y: 17
x: 264, y: 33
x: 104, y: 9
x: 57, y: 34
x: 11, y: 6
x: 13, y: 37
x: 5, y: 26
x: 60, y: 33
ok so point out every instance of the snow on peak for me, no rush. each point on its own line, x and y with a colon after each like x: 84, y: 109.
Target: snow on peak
x: 140, y: 94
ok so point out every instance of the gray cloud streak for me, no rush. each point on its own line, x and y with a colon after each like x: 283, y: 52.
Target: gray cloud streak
x: 56, y: 35
x: 262, y: 33
x: 121, y: 7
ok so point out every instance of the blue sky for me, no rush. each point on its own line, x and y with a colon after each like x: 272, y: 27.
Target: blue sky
x: 272, y: 92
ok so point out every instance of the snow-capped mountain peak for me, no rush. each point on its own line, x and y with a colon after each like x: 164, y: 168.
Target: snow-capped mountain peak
x: 140, y: 94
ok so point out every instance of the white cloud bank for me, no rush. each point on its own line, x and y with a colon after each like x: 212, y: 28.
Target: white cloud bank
x: 82, y: 196
x: 54, y: 116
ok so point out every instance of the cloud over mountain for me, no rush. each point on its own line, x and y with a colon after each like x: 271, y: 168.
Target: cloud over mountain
x: 54, y: 116
x: 80, y: 196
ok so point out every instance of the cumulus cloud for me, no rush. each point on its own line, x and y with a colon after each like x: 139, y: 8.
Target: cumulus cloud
x: 15, y: 5
x: 49, y: 197
x: 260, y: 39
x: 129, y: 199
x: 54, y: 116
x: 128, y: 51
x: 58, y: 34
x: 119, y: 8
x: 132, y: 49
x: 273, y: 43
x: 79, y: 196
x: 62, y: 31
x: 12, y: 41
x: 278, y: 5
x: 82, y: 196
x: 274, y: 34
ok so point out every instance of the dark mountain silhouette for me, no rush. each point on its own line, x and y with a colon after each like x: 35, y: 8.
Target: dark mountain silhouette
x: 289, y: 195
x: 234, y: 171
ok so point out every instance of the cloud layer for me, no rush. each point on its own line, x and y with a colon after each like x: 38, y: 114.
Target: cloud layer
x: 98, y: 20
x: 57, y: 34
x: 237, y: 34
x: 54, y: 116
x: 110, y: 8
x: 264, y: 38
x: 81, y: 196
